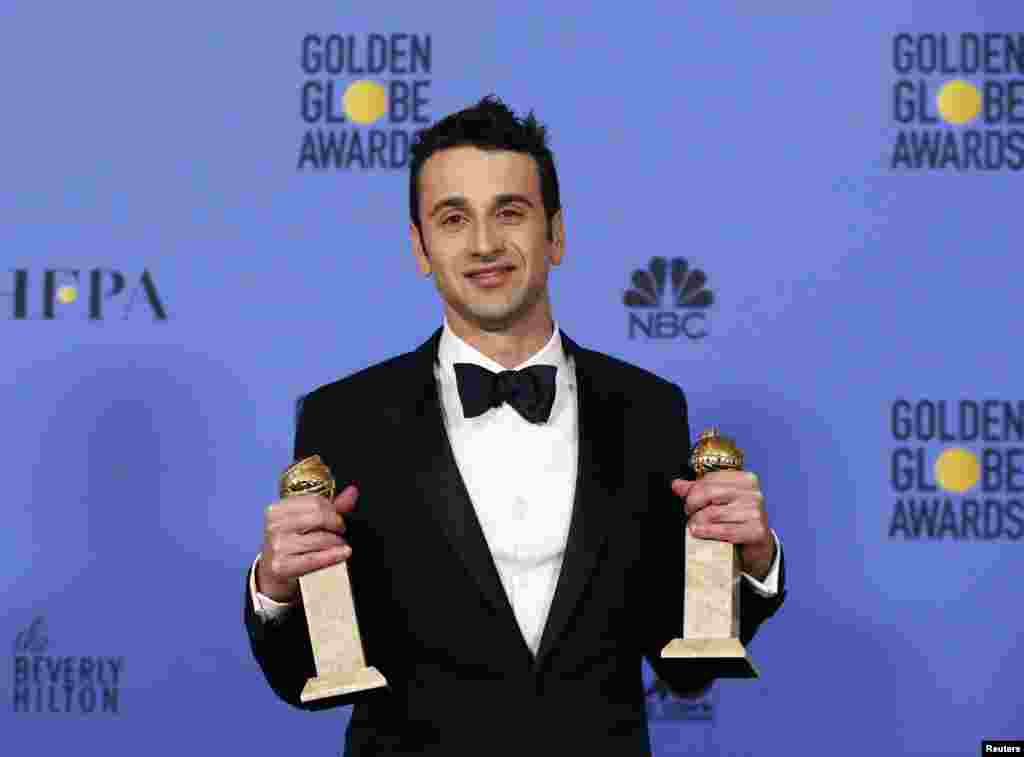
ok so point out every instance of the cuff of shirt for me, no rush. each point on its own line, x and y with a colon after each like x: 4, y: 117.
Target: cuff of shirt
x: 769, y: 587
x: 266, y: 608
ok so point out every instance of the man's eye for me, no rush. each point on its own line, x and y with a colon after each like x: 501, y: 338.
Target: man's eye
x: 511, y: 213
x: 452, y: 220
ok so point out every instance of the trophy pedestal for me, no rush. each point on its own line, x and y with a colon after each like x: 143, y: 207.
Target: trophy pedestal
x: 334, y: 634
x: 728, y: 655
x: 339, y: 684
x: 711, y: 609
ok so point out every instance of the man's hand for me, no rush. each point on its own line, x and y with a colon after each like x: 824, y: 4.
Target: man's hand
x: 729, y: 506
x: 302, y: 534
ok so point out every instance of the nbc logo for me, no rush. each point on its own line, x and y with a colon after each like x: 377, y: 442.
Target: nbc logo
x: 660, y: 314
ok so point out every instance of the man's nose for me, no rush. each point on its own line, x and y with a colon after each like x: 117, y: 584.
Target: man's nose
x: 486, y: 240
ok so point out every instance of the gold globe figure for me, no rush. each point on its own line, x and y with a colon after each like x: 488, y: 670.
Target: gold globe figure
x: 308, y: 476
x: 714, y: 452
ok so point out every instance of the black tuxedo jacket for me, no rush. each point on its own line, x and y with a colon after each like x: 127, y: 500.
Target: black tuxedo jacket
x: 432, y: 611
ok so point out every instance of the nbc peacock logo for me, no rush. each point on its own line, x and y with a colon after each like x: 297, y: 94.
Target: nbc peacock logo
x: 668, y: 300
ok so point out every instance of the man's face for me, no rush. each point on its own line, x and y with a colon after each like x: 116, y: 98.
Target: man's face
x: 485, y: 235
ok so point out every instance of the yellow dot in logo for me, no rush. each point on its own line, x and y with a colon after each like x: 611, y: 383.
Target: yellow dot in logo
x: 959, y: 101
x: 67, y: 295
x: 957, y: 469
x: 365, y: 101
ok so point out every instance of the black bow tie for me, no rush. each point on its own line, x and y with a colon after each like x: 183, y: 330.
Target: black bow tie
x: 531, y: 391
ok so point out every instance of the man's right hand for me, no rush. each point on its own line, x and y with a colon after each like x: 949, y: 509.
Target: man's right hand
x: 302, y: 534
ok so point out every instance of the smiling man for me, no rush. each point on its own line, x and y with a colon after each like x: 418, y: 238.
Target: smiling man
x: 482, y: 229
x: 512, y: 503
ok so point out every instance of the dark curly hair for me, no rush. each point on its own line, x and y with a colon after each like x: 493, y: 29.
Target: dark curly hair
x: 488, y: 125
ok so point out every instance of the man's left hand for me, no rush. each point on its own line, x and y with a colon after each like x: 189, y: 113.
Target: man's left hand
x: 729, y: 506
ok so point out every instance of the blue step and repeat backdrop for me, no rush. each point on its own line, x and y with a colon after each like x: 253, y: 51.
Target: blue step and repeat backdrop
x: 203, y: 215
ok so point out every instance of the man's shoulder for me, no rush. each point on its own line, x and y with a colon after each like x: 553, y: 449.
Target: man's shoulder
x: 617, y: 375
x: 394, y: 374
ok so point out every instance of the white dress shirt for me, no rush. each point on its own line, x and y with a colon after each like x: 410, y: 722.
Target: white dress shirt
x: 521, y: 479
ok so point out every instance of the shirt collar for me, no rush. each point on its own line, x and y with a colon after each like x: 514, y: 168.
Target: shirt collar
x: 453, y: 349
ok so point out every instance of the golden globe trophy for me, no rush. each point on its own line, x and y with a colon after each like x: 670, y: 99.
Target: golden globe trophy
x: 327, y: 598
x: 711, y: 604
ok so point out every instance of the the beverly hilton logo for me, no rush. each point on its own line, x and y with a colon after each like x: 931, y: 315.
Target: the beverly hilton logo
x: 668, y: 300
x: 62, y: 684
x: 663, y: 704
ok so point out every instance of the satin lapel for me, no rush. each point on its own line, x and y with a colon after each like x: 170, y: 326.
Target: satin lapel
x: 599, y: 474
x: 444, y: 491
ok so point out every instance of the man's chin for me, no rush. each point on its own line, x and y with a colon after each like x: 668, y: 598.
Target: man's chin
x: 494, y: 315
x: 492, y: 319
x: 495, y: 323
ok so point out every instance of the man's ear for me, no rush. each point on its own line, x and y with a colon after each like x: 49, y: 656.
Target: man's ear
x: 557, y: 244
x: 419, y: 251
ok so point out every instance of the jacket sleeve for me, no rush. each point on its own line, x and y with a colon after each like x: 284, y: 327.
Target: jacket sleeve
x: 665, y: 575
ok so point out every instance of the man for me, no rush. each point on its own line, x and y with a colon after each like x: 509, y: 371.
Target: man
x: 512, y: 504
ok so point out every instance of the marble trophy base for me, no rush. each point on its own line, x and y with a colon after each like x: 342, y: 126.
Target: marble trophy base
x: 334, y: 634
x: 727, y: 657
x: 339, y: 684
x: 711, y: 610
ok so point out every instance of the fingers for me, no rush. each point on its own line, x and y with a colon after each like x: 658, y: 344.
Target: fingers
x: 307, y: 513
x: 297, y: 544
x: 740, y: 479
x: 720, y: 496
x: 743, y: 508
x: 725, y: 506
x: 735, y: 533
x: 302, y: 534
x: 715, y: 488
x: 284, y: 567
x: 323, y: 518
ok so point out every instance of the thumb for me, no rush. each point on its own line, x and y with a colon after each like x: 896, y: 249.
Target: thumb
x: 682, y: 486
x: 346, y: 500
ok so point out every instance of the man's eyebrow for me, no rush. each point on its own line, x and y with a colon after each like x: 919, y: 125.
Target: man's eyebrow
x: 458, y: 201
x: 454, y: 201
x: 505, y: 199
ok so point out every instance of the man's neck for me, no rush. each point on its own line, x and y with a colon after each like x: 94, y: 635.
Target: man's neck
x: 509, y: 347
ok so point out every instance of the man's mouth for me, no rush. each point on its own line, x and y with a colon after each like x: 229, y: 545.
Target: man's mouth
x: 490, y: 275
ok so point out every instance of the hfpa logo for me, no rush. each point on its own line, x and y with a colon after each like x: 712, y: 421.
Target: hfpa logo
x: 92, y: 295
x: 669, y: 314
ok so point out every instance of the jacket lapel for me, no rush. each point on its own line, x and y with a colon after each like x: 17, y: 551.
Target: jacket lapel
x: 599, y: 472
x: 445, y: 493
